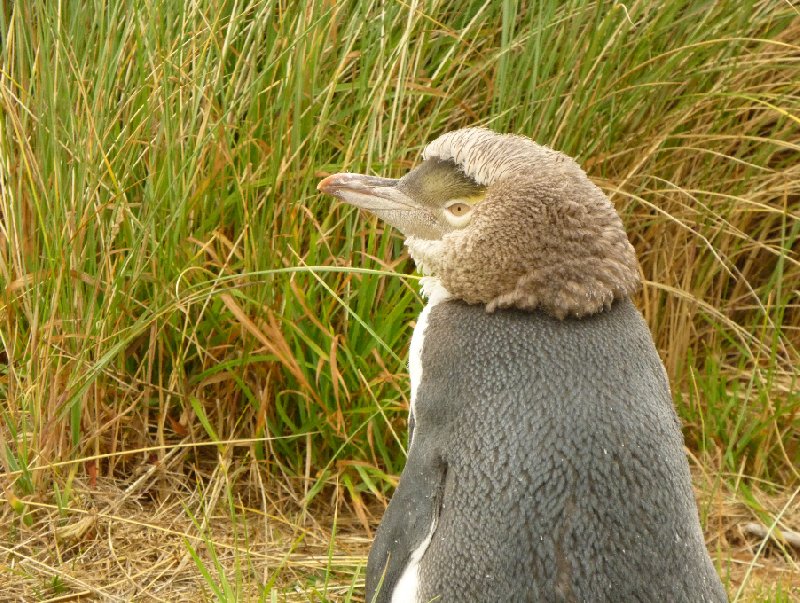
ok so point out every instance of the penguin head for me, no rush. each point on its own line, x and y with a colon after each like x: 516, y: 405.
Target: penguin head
x: 502, y: 221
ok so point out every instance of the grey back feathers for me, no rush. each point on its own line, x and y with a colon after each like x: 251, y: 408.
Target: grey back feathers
x: 549, y: 456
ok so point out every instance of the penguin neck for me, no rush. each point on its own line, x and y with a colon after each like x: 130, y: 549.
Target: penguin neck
x: 433, y: 290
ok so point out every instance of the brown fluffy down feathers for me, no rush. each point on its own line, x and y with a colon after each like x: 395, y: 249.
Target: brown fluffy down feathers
x: 545, y: 236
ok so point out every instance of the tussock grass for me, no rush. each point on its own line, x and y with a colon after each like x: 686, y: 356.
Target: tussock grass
x: 170, y: 277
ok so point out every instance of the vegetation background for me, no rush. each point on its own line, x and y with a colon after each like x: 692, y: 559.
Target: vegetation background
x: 202, y: 361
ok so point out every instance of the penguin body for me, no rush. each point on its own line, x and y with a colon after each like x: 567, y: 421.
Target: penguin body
x: 546, y: 464
x: 545, y: 458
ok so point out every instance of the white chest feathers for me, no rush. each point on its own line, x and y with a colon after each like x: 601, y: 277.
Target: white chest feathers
x: 432, y: 289
x: 405, y: 591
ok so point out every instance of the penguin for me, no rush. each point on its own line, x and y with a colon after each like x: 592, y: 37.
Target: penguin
x: 545, y: 459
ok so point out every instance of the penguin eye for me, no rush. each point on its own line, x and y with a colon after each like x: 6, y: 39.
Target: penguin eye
x: 458, y: 209
x: 458, y: 214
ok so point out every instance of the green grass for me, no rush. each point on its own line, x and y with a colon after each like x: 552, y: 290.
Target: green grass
x: 169, y: 274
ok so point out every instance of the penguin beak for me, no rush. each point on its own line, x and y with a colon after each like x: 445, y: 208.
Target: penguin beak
x: 372, y: 193
x: 381, y: 197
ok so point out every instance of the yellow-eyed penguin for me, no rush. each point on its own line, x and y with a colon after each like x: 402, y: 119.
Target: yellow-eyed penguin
x: 545, y: 458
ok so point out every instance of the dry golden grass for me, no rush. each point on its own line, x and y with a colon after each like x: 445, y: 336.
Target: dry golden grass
x: 127, y: 540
